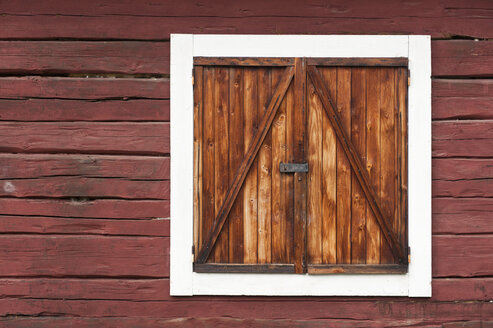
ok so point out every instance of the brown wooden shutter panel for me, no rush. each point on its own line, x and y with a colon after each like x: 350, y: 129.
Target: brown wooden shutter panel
x: 346, y: 118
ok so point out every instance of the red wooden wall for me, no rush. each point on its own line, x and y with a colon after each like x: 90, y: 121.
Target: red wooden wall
x: 84, y: 162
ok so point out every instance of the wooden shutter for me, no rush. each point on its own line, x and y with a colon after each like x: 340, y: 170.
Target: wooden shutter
x: 345, y: 118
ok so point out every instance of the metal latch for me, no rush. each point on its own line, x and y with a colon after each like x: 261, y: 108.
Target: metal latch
x: 293, y: 167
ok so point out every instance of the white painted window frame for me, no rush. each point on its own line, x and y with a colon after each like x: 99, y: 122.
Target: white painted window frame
x: 417, y: 48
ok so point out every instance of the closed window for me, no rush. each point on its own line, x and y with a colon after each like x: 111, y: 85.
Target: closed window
x: 296, y: 167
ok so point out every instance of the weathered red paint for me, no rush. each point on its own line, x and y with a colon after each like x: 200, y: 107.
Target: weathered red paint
x: 79, y: 226
x: 89, y: 256
x: 83, y: 110
x: 83, y: 88
x: 83, y: 137
x: 52, y: 165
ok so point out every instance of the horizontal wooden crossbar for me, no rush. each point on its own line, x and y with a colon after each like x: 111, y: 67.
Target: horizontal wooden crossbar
x: 243, y: 268
x: 393, y: 62
x: 356, y: 268
x: 243, y: 61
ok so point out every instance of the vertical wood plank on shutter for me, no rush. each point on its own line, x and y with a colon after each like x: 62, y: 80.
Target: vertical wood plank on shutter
x: 387, y: 154
x: 278, y: 134
x: 402, y: 108
x: 373, y: 237
x: 300, y: 184
x: 221, y: 99
x: 264, y: 173
x: 358, y: 137
x: 208, y: 207
x: 314, y: 156
x: 197, y: 156
x: 236, y: 151
x: 250, y: 184
x: 329, y: 176
x: 288, y: 185
x: 344, y: 169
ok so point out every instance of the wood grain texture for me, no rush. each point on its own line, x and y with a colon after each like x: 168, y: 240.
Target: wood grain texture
x: 198, y: 155
x: 387, y: 156
x: 329, y: 180
x: 243, y: 61
x: 314, y: 176
x: 277, y: 135
x: 63, y: 187
x: 59, y: 256
x: 462, y: 256
x: 343, y: 108
x: 462, y: 138
x: 25, y: 166
x: 247, y: 162
x: 256, y: 8
x: 190, y: 322
x: 250, y: 196
x: 358, y: 137
x: 150, y: 27
x: 444, y: 289
x: 208, y: 203
x: 462, y: 58
x: 384, y: 310
x: 51, y: 57
x: 86, y: 208
x: 236, y: 151
x: 79, y: 226
x: 449, y: 57
x: 300, y: 142
x: 373, y: 167
x: 66, y: 110
x: 156, y: 289
x: 83, y: 88
x: 85, y: 137
x: 221, y: 157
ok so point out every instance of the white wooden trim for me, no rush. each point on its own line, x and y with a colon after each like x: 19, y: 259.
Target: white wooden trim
x: 417, y: 282
x: 419, y: 169
x: 181, y: 183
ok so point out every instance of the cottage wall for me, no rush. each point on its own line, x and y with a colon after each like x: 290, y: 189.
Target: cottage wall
x: 84, y: 162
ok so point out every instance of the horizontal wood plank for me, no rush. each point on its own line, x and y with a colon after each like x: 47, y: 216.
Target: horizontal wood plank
x: 127, y: 57
x: 16, y: 166
x: 462, y: 256
x: 59, y: 256
x: 83, y: 110
x: 462, y: 58
x: 466, y: 222
x: 86, y: 208
x: 462, y: 99
x: 78, y: 226
x: 463, y: 188
x: 360, y: 9
x: 356, y: 269
x: 462, y: 88
x: 88, y: 288
x: 136, y: 27
x: 58, y: 187
x: 444, y: 289
x: 83, y: 88
x: 84, y: 137
x: 384, y: 310
x: 192, y: 322
x: 462, y: 168
x: 463, y: 138
x: 449, y: 57
x: 456, y: 289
